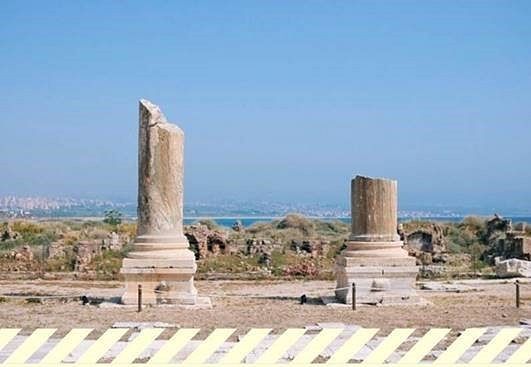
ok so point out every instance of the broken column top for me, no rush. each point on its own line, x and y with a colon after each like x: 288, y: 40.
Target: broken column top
x: 160, y: 176
x: 156, y: 116
x: 374, y: 209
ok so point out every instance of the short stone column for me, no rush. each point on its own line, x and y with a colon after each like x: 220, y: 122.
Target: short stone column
x: 161, y: 260
x: 374, y: 258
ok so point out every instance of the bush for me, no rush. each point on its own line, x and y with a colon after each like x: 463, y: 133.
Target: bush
x: 128, y: 228
x: 113, y: 217
x: 25, y: 228
x: 108, y: 264
x: 60, y: 264
x: 476, y: 251
x: 475, y: 222
x: 228, y: 264
x: 331, y: 228
x: 11, y: 244
x: 298, y: 222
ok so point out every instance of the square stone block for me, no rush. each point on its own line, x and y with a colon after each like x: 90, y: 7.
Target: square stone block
x: 377, y: 284
x: 159, y: 286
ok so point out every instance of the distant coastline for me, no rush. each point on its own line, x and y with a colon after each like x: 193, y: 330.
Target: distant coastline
x: 248, y: 221
x: 228, y: 221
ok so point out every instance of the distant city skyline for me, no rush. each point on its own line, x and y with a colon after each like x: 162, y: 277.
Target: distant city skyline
x: 14, y: 206
x: 279, y: 101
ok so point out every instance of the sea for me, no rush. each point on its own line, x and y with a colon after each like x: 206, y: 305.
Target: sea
x: 248, y: 221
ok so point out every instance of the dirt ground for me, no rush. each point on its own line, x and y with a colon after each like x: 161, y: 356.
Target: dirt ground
x: 235, y: 305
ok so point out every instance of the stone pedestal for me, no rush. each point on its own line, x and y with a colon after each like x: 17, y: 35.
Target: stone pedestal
x: 161, y: 260
x: 374, y: 258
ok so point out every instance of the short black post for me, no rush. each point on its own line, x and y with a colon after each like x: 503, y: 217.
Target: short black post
x: 517, y: 294
x: 139, y: 297
x: 354, y: 296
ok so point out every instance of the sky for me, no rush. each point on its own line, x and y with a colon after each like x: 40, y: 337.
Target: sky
x: 279, y: 100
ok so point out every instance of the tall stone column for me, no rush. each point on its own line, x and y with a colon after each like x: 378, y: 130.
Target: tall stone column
x: 374, y: 258
x: 160, y: 261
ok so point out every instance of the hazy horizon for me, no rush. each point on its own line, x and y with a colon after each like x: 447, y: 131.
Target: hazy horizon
x: 279, y: 101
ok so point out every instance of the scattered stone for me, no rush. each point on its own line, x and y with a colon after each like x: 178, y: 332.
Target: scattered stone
x: 115, y: 241
x: 85, y: 252
x: 506, y: 242
x: 426, y: 241
x: 56, y: 250
x: 513, y: 268
x: 448, y: 287
x: 432, y: 271
x: 6, y: 232
x: 306, y: 268
x: 24, y: 254
x: 314, y: 248
x: 206, y: 242
x: 256, y: 246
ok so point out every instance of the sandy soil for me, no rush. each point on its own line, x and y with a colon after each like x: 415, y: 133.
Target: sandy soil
x: 234, y: 305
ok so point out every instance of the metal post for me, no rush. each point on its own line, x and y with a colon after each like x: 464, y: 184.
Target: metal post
x: 354, y: 296
x: 517, y: 294
x: 139, y: 297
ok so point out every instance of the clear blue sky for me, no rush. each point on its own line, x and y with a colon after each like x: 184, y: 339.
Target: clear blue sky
x: 280, y: 100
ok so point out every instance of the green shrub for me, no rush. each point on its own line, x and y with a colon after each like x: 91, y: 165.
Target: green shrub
x: 108, y: 264
x: 26, y: 228
x: 228, y: 264
x: 60, y: 264
x: 298, y: 222
x: 475, y: 222
x: 11, y: 244
x: 112, y: 217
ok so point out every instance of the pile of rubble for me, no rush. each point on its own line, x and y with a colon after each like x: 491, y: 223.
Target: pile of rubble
x: 85, y: 251
x: 426, y: 241
x: 7, y: 233
x: 207, y: 242
x: 21, y: 259
x: 261, y: 247
x: 506, y: 241
x: 513, y: 268
x: 313, y: 248
x: 24, y: 254
x: 509, y: 247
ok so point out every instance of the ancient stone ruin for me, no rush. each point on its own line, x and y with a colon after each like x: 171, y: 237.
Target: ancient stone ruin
x: 426, y: 241
x: 161, y: 260
x: 374, y: 258
x: 506, y: 241
x: 206, y: 242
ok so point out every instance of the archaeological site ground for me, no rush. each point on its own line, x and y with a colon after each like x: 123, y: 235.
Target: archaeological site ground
x: 257, y: 182
x: 289, y: 272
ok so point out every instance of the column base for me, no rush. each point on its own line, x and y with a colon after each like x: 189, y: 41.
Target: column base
x: 384, y: 274
x: 166, y: 275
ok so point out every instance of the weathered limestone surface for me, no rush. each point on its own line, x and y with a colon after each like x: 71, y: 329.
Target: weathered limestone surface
x: 513, y: 268
x: 374, y: 210
x: 374, y: 258
x: 161, y: 260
